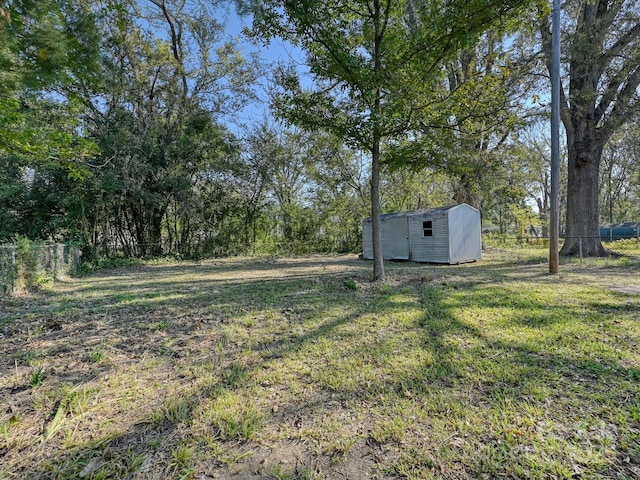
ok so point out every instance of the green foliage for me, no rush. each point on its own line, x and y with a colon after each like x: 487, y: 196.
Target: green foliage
x: 97, y: 354
x: 351, y: 284
x: 365, y: 55
x: 45, y: 43
x: 28, y: 263
x: 36, y: 378
x: 7, y: 271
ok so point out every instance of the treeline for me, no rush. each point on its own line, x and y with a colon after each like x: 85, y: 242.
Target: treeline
x: 119, y: 130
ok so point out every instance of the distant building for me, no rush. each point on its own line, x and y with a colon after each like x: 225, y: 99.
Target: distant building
x: 439, y: 235
x: 619, y: 231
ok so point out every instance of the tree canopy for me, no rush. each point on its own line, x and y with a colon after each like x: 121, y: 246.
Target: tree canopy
x: 376, y: 65
x: 118, y: 121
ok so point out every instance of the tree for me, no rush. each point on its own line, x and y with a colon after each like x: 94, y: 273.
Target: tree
x: 600, y: 94
x: 405, y: 189
x: 619, y: 175
x: 374, y: 63
x: 339, y: 192
x: 166, y: 85
x: 45, y: 44
x: 484, y: 88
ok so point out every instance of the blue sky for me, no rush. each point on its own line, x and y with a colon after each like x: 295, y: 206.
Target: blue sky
x: 277, y: 51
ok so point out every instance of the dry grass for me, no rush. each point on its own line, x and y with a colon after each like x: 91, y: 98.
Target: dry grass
x: 301, y: 368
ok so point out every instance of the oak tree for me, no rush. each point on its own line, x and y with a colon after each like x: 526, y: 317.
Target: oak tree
x: 600, y: 94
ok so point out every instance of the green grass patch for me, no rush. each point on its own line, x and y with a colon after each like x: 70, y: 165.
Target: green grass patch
x: 303, y: 368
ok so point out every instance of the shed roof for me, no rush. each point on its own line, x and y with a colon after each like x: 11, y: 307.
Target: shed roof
x: 413, y: 213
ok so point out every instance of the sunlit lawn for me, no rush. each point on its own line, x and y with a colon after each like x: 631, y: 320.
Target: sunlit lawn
x: 302, y: 368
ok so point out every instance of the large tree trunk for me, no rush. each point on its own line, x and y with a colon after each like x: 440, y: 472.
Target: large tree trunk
x: 582, y: 234
x: 603, y: 54
x: 463, y: 192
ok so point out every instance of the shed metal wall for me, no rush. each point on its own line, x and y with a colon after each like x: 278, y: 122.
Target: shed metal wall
x: 465, y: 235
x: 430, y: 249
x: 395, y: 238
x: 367, y: 239
x: 394, y: 235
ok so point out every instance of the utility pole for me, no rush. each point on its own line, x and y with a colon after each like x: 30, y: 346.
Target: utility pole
x: 554, y: 217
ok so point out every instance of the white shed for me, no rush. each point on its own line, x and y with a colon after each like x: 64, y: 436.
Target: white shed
x: 440, y: 235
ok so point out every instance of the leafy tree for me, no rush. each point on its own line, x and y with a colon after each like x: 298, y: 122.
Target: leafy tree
x: 410, y: 189
x: 44, y: 44
x: 155, y: 121
x: 339, y: 184
x: 619, y: 176
x: 252, y: 175
x: 484, y: 90
x: 602, y: 74
x: 372, y: 70
x: 13, y: 190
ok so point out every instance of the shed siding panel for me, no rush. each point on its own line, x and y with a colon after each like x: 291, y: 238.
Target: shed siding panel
x: 473, y: 233
x: 430, y: 249
x: 395, y: 238
x: 466, y: 235
x: 456, y: 240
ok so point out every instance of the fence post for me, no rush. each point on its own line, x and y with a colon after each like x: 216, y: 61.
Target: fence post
x: 580, y: 246
x: 62, y: 266
x: 77, y: 256
x: 15, y: 270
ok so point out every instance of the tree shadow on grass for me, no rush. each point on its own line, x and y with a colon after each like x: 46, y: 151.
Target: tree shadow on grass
x: 142, y: 337
x: 363, y: 354
x: 581, y: 390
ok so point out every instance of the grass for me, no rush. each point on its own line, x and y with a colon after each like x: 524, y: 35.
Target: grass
x: 303, y: 368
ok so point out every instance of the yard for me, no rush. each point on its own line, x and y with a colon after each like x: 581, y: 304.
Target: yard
x: 302, y: 369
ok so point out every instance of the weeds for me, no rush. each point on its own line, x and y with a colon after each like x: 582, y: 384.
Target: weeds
x: 97, y: 354
x: 36, y: 378
x: 182, y: 456
x: 279, y: 472
x: 389, y: 430
x: 175, y: 410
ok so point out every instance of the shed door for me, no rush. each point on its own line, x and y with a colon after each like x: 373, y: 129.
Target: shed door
x: 397, y: 239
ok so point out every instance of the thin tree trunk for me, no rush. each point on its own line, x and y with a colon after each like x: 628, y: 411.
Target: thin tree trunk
x: 155, y: 232
x: 378, y: 261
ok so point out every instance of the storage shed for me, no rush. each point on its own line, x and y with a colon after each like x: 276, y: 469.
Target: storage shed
x: 440, y: 235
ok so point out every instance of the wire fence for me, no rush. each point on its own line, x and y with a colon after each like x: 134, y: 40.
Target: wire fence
x: 27, y: 264
x: 509, y: 239
x: 205, y: 249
